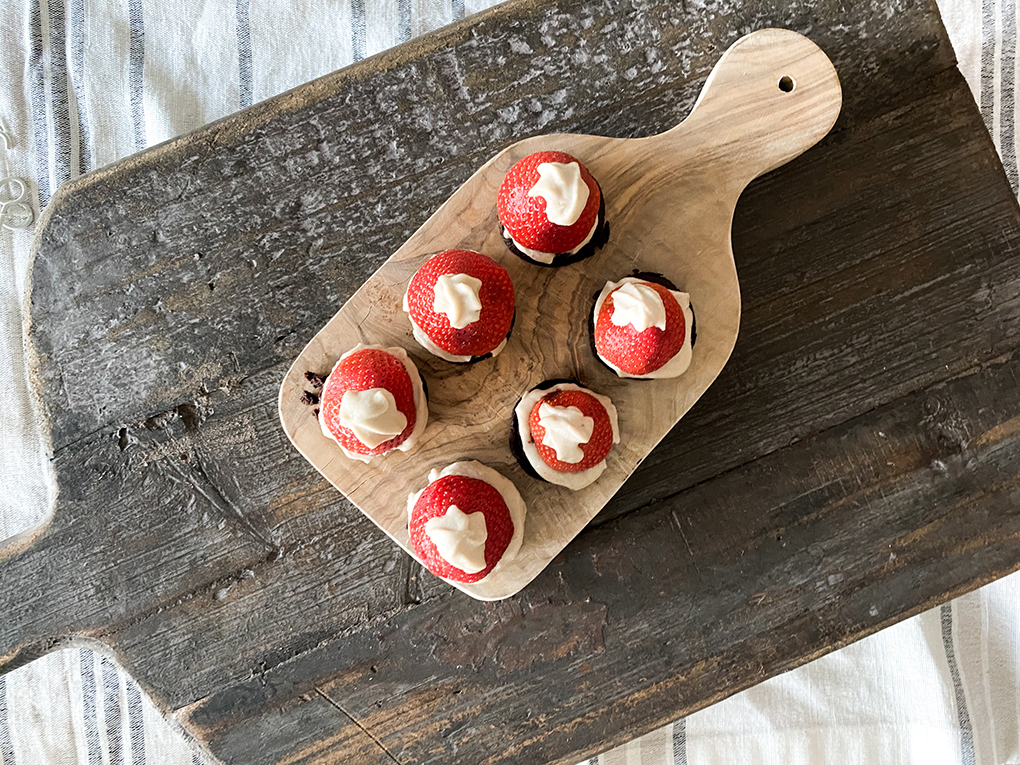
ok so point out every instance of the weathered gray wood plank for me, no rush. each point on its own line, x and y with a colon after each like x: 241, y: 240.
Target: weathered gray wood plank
x: 291, y: 205
x: 867, y: 410
x: 746, y: 572
x: 843, y: 326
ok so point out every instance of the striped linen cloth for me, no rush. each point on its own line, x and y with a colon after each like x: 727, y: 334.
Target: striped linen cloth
x: 86, y: 82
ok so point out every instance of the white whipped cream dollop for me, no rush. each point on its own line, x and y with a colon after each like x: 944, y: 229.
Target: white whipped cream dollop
x: 457, y: 297
x: 677, y: 365
x: 522, y: 412
x: 639, y: 305
x: 372, y: 414
x: 506, y: 489
x: 459, y: 538
x: 566, y: 428
x: 421, y: 405
x: 564, y: 191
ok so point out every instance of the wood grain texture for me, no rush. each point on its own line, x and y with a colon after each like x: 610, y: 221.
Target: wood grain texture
x: 868, y: 408
x: 669, y: 203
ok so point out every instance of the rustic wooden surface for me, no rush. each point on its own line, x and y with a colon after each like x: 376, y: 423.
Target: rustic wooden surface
x: 669, y: 202
x: 856, y: 462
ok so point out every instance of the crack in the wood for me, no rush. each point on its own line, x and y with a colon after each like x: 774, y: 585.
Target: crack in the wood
x: 220, y: 501
x: 288, y: 333
x: 351, y: 717
x: 413, y: 594
x: 265, y: 668
x: 680, y: 528
x: 383, y: 617
x: 805, y: 286
x: 248, y: 572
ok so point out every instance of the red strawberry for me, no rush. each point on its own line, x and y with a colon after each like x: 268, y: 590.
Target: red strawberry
x: 638, y: 353
x: 598, y: 445
x: 470, y: 495
x: 362, y: 370
x: 496, y: 295
x: 524, y: 217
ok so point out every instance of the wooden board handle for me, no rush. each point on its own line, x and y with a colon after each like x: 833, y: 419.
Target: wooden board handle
x: 772, y: 96
x: 31, y: 626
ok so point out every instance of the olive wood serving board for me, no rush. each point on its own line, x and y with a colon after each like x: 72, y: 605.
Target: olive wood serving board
x: 669, y: 204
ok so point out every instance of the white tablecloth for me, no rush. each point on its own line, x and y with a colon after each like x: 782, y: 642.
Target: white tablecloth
x: 86, y: 82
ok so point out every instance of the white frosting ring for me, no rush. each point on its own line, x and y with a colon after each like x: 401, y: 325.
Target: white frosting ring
x: 677, y: 365
x: 512, y: 498
x: 421, y: 405
x: 549, y: 257
x: 426, y: 342
x: 522, y: 412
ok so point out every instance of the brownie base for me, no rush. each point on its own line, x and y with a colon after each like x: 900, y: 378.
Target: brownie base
x: 598, y: 240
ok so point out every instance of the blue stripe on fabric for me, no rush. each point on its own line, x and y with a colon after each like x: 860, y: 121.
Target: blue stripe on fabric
x: 680, y: 742
x: 963, y: 716
x: 88, y: 701
x: 244, y: 57
x: 457, y: 9
x: 987, y: 91
x: 358, y: 29
x: 404, y: 20
x: 6, y: 745
x: 37, y: 97
x: 136, y: 71
x: 59, y: 84
x: 76, y: 17
x: 111, y: 712
x: 136, y: 722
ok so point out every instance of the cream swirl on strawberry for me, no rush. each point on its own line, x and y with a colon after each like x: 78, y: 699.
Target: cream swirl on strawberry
x: 456, y: 295
x: 564, y: 433
x: 461, y: 306
x: 373, y: 402
x: 565, y: 429
x: 564, y: 191
x: 372, y: 415
x: 467, y: 522
x: 643, y: 329
x: 551, y: 209
x: 639, y: 305
x: 459, y: 538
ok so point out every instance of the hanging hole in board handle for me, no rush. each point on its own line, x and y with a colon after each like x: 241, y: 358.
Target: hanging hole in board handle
x: 787, y: 83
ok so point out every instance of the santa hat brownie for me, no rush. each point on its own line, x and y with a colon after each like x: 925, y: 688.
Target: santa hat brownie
x: 551, y: 210
x: 643, y: 327
x: 562, y: 433
x: 466, y: 522
x: 461, y: 306
x: 373, y: 402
